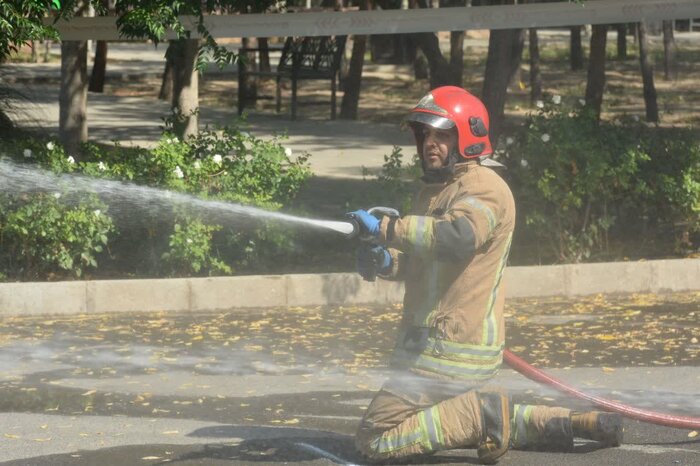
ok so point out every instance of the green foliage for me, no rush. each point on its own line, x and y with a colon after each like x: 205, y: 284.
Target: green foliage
x: 22, y: 21
x: 671, y: 184
x: 43, y: 236
x: 152, y: 19
x: 396, y: 177
x: 574, y: 178
x: 191, y: 252
x: 226, y: 164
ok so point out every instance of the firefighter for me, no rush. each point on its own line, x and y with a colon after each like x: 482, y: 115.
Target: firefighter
x: 451, y: 252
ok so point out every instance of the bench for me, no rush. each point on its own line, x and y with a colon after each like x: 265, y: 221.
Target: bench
x: 301, y: 58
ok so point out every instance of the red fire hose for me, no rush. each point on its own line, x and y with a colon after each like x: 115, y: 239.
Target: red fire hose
x: 668, y: 420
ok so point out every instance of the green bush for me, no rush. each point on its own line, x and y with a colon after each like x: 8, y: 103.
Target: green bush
x: 396, y: 177
x: 575, y: 178
x: 42, y: 236
x: 671, y: 181
x: 190, y: 250
x: 226, y: 164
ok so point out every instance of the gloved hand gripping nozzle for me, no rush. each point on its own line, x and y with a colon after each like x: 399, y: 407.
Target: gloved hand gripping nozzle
x: 357, y: 228
x: 372, y: 259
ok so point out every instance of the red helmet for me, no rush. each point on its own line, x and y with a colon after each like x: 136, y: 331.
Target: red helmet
x: 448, y: 107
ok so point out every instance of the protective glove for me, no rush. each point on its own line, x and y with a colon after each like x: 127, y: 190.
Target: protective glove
x: 371, y: 260
x: 369, y: 224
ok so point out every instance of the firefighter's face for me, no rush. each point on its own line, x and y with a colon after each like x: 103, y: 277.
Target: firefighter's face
x: 437, y: 144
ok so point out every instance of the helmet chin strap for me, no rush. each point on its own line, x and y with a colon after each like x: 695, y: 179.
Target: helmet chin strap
x: 444, y: 173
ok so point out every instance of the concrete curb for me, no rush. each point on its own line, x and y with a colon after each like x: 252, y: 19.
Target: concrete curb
x: 228, y: 293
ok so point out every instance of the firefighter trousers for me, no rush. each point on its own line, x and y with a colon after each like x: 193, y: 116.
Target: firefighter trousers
x: 396, y: 426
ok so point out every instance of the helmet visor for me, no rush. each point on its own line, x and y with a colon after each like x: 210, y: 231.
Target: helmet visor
x: 429, y: 119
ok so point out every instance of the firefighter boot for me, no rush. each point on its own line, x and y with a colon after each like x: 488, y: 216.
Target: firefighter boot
x: 600, y: 426
x: 495, y: 421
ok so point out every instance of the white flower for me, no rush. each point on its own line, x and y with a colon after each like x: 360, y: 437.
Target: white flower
x: 523, y: 163
x: 581, y: 102
x: 509, y: 141
x: 174, y: 140
x: 178, y: 172
x: 189, y: 241
x: 217, y: 159
x: 288, y: 151
x: 545, y: 137
x: 70, y: 159
x: 50, y: 145
x: 97, y: 212
x: 27, y: 153
x: 57, y: 195
x: 197, y: 165
x: 556, y: 99
x: 539, y: 104
x: 101, y: 166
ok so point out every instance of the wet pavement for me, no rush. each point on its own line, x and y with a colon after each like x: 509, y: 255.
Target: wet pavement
x: 290, y: 385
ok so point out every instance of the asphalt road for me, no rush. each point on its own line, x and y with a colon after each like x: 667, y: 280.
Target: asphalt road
x: 290, y: 385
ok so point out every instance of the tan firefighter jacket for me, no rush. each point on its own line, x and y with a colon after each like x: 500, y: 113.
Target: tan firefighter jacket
x: 451, y: 252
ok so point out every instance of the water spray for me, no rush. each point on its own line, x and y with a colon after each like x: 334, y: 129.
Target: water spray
x: 21, y: 178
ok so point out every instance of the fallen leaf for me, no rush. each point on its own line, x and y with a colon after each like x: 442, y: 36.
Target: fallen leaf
x: 693, y: 434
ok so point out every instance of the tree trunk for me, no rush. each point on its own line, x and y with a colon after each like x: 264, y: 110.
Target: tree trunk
x: 440, y: 70
x: 652, y: 109
x: 595, y: 85
x: 250, y: 85
x: 576, y: 50
x: 669, y: 51
x: 457, y: 56
x: 498, y: 66
x: 353, y: 81
x: 166, y: 83
x: 185, y: 101
x: 421, y: 69
x: 47, y: 50
x: 35, y: 55
x: 518, y: 46
x: 264, y: 54
x: 621, y: 41
x: 72, y: 120
x: 535, y: 74
x: 99, y: 68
